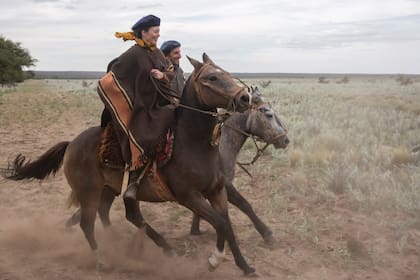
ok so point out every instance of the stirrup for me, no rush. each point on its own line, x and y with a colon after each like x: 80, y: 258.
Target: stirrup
x: 131, y: 191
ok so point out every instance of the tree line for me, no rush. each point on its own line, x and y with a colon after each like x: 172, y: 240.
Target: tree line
x: 13, y: 59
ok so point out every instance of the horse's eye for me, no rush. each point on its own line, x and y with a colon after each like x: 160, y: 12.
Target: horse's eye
x: 212, y: 78
x: 269, y: 114
x: 263, y: 110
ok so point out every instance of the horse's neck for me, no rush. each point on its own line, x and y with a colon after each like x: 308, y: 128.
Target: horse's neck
x: 194, y: 127
x: 232, y: 140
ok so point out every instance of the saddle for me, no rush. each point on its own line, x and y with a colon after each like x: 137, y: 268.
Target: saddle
x: 110, y: 153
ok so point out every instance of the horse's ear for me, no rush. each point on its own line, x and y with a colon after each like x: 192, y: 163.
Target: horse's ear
x: 197, y: 64
x: 206, y: 59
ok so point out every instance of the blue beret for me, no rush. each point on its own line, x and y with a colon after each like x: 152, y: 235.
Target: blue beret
x: 146, y: 21
x: 168, y: 46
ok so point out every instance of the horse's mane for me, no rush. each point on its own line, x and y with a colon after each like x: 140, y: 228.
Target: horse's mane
x: 179, y: 109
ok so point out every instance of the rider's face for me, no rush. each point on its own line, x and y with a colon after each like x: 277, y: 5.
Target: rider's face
x: 152, y: 35
x: 175, y: 55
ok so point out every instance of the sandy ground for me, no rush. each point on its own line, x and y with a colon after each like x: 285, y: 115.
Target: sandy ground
x: 316, y: 240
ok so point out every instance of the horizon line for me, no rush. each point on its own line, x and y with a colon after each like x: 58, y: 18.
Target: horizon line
x: 272, y: 73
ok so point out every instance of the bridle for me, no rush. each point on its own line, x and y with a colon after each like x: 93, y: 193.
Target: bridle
x: 171, y: 96
x: 259, y: 151
x: 230, y: 98
x: 221, y: 116
x: 174, y: 99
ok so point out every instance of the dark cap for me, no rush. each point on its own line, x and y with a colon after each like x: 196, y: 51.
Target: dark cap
x: 168, y: 46
x: 146, y: 22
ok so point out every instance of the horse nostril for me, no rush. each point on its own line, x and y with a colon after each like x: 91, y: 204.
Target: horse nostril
x: 286, y: 141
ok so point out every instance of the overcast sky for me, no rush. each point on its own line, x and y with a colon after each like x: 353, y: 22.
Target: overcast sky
x: 289, y: 36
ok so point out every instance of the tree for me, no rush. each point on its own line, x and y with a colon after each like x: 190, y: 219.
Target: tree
x: 12, y: 59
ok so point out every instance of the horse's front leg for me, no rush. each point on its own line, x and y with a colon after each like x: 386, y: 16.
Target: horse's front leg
x: 217, y: 215
x: 239, y: 201
x: 195, y: 225
x: 133, y: 214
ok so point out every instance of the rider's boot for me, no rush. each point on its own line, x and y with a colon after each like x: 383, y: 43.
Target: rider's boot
x: 132, y: 211
x: 133, y: 184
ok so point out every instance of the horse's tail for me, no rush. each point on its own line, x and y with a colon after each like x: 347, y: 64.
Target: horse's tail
x: 45, y: 165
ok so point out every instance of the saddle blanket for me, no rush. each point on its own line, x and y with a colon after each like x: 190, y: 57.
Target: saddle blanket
x: 110, y: 151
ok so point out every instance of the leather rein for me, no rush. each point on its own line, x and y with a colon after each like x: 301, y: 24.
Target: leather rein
x: 222, y: 116
x: 174, y: 95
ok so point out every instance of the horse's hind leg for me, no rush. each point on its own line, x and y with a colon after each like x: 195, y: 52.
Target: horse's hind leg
x: 239, y: 201
x: 107, y: 199
x: 89, y: 205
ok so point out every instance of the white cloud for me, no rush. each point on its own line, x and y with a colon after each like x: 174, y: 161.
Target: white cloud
x: 242, y: 36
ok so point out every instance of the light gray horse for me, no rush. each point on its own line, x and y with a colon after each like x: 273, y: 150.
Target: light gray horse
x: 259, y: 121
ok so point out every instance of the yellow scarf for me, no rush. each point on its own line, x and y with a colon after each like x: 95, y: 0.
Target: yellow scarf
x: 130, y: 36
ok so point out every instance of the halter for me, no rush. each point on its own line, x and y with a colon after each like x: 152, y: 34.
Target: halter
x: 273, y: 139
x: 260, y: 151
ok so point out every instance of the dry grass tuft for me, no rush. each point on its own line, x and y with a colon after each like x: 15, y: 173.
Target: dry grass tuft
x: 337, y: 178
x: 357, y: 249
x: 320, y: 157
x: 295, y: 157
x: 401, y: 156
x: 328, y: 142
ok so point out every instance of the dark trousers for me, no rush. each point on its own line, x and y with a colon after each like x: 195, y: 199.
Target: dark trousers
x: 105, y: 118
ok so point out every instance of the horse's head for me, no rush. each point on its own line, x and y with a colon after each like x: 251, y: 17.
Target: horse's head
x: 264, y: 123
x: 216, y: 88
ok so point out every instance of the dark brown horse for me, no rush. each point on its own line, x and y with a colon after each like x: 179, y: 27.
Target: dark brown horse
x: 258, y: 121
x: 193, y: 175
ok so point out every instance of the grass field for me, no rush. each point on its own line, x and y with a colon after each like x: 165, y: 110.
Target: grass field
x: 343, y: 199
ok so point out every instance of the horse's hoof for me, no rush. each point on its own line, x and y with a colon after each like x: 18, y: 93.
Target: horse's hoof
x: 170, y: 253
x: 250, y: 273
x: 270, y: 241
x: 195, y: 232
x: 98, y: 275
x: 212, y: 265
x: 211, y: 268
x: 71, y: 222
x: 100, y: 266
